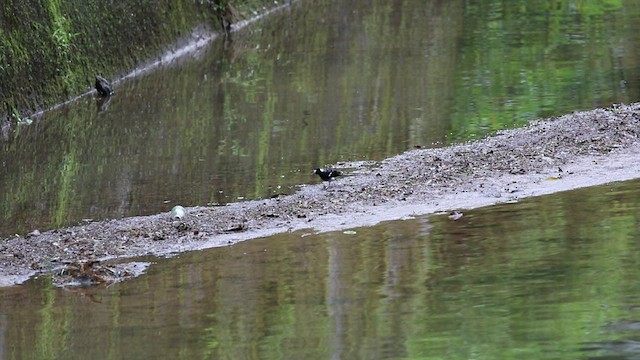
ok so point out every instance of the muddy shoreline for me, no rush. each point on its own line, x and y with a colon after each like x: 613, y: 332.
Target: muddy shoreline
x: 572, y: 151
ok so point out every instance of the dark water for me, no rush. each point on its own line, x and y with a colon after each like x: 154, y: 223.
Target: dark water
x: 319, y: 83
x: 554, y: 277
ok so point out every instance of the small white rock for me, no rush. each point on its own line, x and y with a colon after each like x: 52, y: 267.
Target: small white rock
x: 456, y: 215
x: 178, y: 212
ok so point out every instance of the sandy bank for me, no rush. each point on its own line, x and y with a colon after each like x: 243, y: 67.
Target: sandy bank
x: 576, y: 150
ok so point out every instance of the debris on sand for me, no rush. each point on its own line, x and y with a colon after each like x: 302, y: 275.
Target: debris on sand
x: 550, y: 154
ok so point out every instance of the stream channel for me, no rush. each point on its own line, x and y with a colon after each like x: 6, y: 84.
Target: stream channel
x: 318, y: 83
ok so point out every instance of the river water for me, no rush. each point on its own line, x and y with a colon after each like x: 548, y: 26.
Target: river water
x: 551, y: 277
x: 313, y: 85
x: 554, y: 277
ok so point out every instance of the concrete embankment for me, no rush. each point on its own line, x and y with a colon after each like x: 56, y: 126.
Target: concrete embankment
x: 50, y: 51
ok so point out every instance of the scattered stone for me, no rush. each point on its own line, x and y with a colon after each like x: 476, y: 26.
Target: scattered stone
x: 34, y: 233
x: 236, y: 228
x: 455, y: 215
x: 182, y: 226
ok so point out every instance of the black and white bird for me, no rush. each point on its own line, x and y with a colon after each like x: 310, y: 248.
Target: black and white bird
x: 103, y: 87
x: 327, y: 174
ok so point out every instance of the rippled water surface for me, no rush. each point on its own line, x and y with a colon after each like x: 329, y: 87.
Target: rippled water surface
x: 317, y: 83
x: 554, y: 277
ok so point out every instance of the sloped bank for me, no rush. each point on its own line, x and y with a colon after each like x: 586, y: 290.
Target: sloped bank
x: 51, y: 50
x: 572, y: 151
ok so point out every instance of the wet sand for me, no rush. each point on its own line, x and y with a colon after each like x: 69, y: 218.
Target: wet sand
x: 547, y: 156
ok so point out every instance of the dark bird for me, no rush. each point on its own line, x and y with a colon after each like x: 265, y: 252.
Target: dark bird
x: 103, y: 87
x: 227, y: 14
x: 327, y: 174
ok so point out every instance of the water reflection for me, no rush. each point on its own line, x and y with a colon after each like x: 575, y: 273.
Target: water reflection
x: 318, y: 83
x: 547, y: 278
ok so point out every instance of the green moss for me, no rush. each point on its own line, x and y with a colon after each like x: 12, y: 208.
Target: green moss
x: 50, y: 50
